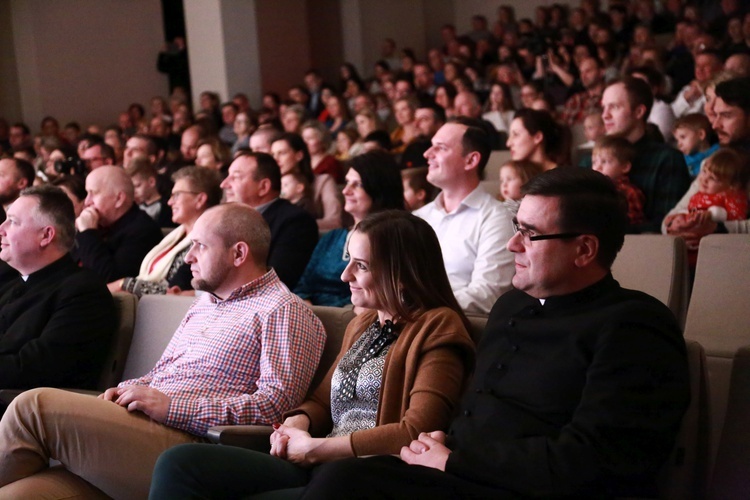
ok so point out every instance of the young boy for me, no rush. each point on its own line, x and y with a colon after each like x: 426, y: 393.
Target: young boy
x: 417, y: 191
x: 146, y: 194
x: 692, y: 133
x: 613, y: 157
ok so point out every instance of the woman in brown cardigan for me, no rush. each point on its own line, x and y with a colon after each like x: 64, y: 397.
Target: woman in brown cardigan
x: 402, y: 367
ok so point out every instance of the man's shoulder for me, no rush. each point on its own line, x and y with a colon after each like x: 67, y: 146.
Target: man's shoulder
x: 281, y: 209
x: 136, y: 221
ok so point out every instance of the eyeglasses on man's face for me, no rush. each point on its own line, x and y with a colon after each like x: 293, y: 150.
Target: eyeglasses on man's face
x: 527, y: 234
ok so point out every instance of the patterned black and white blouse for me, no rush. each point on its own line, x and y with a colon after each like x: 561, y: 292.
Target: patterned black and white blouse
x: 360, y: 411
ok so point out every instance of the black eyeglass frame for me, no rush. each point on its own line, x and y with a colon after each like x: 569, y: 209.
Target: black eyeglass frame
x: 541, y: 237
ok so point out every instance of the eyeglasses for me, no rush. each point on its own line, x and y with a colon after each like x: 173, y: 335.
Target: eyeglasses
x: 177, y: 194
x: 528, y: 237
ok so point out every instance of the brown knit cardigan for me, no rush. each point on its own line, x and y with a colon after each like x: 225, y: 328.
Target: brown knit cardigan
x: 425, y: 372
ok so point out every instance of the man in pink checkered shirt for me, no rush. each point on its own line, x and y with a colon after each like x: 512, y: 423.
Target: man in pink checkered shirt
x: 244, y: 353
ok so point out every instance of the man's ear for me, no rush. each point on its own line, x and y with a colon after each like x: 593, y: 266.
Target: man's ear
x: 48, y: 236
x: 472, y: 160
x: 240, y: 253
x: 264, y: 187
x: 640, y: 112
x: 120, y: 199
x: 588, y: 250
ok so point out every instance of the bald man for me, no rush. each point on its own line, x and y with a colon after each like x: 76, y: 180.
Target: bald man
x: 244, y: 354
x: 114, y: 235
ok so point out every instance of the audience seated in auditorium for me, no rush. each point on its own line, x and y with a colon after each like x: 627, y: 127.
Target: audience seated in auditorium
x: 255, y: 179
x: 291, y: 153
x: 472, y: 227
x: 164, y: 269
x: 57, y: 319
x: 113, y: 233
x: 731, y: 112
x: 245, y: 354
x: 373, y: 184
x: 401, y: 369
x: 597, y: 420
x: 658, y: 170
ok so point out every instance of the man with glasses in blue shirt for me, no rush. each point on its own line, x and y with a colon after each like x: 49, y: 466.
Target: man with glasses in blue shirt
x: 580, y: 385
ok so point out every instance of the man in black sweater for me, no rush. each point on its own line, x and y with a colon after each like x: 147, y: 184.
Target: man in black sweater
x: 580, y: 385
x: 56, y: 319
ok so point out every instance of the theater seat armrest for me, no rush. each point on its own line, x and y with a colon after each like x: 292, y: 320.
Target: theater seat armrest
x: 253, y: 437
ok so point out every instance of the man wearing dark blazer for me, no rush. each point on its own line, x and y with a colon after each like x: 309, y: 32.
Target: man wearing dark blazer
x: 114, y: 235
x: 255, y: 179
x: 580, y: 385
x: 56, y: 319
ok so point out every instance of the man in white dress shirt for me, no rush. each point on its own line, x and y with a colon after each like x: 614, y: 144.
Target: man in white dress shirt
x: 473, y: 228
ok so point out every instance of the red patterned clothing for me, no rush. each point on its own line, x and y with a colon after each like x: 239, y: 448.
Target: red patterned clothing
x: 579, y: 105
x: 635, y: 199
x: 734, y: 201
x: 243, y: 360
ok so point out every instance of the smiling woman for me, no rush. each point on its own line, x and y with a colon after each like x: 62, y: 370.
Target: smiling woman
x: 402, y: 366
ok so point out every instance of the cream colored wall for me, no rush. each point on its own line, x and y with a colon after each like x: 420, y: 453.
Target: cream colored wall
x: 83, y: 60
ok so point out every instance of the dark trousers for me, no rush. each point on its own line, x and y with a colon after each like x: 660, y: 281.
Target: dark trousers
x: 226, y: 472
x: 388, y: 477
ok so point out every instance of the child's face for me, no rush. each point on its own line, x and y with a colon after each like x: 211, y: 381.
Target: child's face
x: 593, y: 127
x: 688, y: 140
x: 510, y: 183
x: 291, y: 188
x: 710, y: 184
x: 413, y: 199
x: 604, y: 161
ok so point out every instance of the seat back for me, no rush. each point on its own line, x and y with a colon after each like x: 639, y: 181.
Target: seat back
x: 718, y: 316
x: 731, y: 476
x: 335, y: 321
x: 156, y: 320
x: 496, y: 160
x: 685, y: 475
x: 114, y: 364
x: 657, y: 265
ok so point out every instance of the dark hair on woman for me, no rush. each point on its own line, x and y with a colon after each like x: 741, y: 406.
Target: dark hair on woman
x: 535, y: 121
x: 298, y: 145
x: 381, y: 179
x: 450, y: 90
x: 407, y: 264
x: 353, y: 74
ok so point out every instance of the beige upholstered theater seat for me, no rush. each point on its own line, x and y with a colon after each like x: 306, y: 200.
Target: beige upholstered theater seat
x: 685, y: 475
x: 657, y: 265
x: 126, y: 306
x: 719, y: 314
x: 731, y: 476
x: 497, y: 159
x: 156, y: 320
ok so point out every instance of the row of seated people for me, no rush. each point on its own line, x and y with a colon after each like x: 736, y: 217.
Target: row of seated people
x: 473, y: 229
x: 609, y: 396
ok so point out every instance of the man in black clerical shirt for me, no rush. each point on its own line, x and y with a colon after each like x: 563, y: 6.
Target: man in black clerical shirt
x: 56, y: 319
x: 580, y: 385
